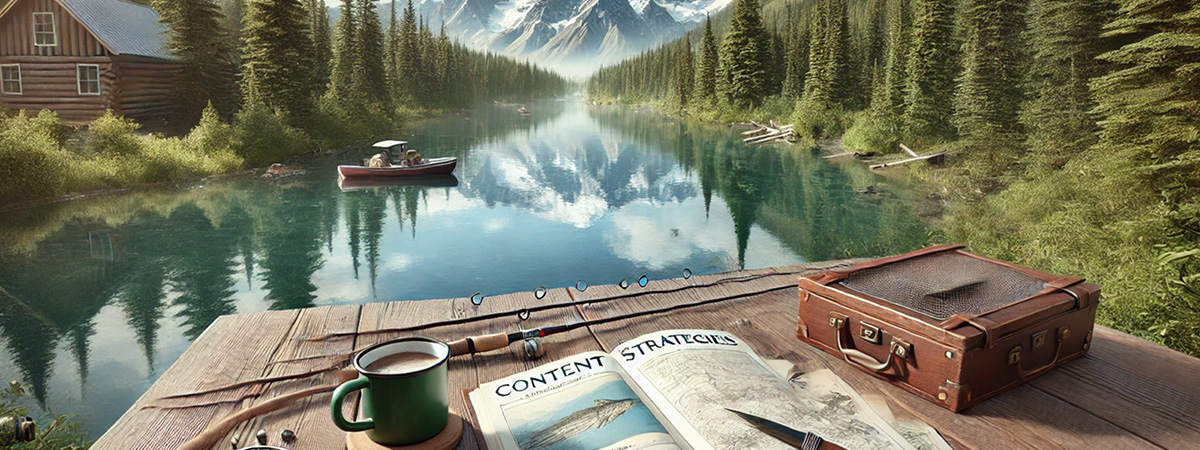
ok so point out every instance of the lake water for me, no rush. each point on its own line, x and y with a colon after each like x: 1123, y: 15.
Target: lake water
x: 99, y: 296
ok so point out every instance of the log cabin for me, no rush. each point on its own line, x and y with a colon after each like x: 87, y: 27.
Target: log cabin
x: 83, y: 57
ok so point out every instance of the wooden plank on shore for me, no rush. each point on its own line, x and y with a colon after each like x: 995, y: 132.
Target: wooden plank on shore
x: 909, y: 150
x: 933, y: 159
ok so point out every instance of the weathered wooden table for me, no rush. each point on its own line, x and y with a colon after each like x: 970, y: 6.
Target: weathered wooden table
x: 1126, y: 394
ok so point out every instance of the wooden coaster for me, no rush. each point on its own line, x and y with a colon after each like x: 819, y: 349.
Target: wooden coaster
x: 445, y: 440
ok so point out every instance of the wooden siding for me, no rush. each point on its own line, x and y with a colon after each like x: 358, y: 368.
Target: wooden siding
x: 53, y: 83
x: 16, y: 32
x: 146, y: 87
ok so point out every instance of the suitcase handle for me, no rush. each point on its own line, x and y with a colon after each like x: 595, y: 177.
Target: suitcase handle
x: 1014, y: 356
x: 898, y: 348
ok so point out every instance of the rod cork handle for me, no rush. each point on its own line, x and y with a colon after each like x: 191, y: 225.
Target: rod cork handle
x: 478, y: 344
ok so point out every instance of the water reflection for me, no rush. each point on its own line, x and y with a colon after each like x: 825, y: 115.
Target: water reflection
x: 574, y: 193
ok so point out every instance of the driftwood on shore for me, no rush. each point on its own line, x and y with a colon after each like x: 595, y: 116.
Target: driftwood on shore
x: 763, y: 134
x: 936, y: 159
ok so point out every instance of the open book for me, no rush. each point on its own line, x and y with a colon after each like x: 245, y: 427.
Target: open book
x: 669, y: 390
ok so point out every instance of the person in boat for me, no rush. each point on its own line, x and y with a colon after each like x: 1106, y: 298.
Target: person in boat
x: 412, y: 159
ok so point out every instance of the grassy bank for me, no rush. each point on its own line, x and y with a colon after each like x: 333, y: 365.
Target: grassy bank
x: 42, y: 157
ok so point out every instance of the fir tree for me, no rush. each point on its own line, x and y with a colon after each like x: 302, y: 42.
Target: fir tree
x: 744, y: 55
x: 828, y: 73
x: 989, y: 91
x: 706, y: 76
x: 1148, y: 107
x: 931, y: 70
x: 199, y: 40
x: 322, y: 43
x: 873, y: 52
x: 1064, y: 38
x: 370, y: 79
x: 276, y: 58
x: 684, y: 77
x: 341, y: 79
x: 895, y: 78
x: 392, y: 62
x: 797, y: 60
x: 410, y: 56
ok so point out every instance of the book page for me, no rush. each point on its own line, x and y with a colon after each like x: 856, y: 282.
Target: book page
x: 693, y: 376
x: 580, y: 402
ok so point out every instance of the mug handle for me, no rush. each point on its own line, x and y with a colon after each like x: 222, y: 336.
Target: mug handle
x: 335, y: 405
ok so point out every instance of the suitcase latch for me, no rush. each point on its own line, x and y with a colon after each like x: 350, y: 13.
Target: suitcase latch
x: 868, y: 332
x: 837, y: 321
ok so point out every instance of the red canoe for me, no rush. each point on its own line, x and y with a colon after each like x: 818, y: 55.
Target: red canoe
x: 432, y: 166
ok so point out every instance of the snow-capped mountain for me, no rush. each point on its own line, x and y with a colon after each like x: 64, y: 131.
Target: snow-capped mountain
x: 574, y: 36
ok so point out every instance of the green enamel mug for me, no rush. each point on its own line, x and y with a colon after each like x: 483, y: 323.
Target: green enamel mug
x: 405, y: 391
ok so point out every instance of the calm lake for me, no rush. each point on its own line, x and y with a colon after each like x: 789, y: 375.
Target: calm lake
x: 99, y: 296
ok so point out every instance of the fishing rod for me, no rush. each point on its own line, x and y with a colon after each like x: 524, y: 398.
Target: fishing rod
x: 532, y: 309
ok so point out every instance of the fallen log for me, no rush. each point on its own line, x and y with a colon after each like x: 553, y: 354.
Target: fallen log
x: 936, y: 158
x: 842, y: 155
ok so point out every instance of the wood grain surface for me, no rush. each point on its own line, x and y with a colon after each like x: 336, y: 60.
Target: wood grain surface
x: 1126, y: 394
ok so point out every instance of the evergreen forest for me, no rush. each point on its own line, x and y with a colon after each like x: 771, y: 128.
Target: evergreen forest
x: 263, y: 81
x: 1071, y: 127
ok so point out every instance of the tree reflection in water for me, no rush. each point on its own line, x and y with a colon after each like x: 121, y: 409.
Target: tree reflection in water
x: 568, y: 195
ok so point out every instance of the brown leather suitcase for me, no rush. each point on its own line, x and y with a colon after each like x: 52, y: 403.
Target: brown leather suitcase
x: 947, y: 325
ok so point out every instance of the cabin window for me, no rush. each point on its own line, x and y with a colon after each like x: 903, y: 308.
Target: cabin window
x: 10, y: 79
x: 44, y: 34
x: 89, y: 79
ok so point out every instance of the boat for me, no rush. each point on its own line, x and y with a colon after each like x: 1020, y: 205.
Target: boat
x: 431, y: 166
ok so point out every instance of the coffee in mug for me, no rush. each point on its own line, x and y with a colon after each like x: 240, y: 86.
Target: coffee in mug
x: 405, y: 391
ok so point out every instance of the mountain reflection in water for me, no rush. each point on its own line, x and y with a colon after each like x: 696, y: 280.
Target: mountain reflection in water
x: 98, y: 296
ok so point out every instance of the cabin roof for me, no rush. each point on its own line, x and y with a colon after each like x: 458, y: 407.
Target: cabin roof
x: 389, y: 144
x: 125, y: 28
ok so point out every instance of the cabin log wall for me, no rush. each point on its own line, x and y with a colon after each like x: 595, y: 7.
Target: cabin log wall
x: 146, y: 87
x: 139, y: 88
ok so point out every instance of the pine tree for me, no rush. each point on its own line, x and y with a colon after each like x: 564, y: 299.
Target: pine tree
x: 797, y: 60
x: 392, y: 62
x: 1148, y: 107
x: 931, y: 70
x: 828, y: 78
x: 341, y: 78
x: 370, y: 79
x: 706, y: 76
x: 684, y: 77
x: 322, y: 43
x: 989, y: 93
x: 410, y: 56
x: 873, y: 61
x: 744, y: 55
x: 1064, y: 38
x: 899, y: 44
x: 199, y: 40
x: 276, y: 58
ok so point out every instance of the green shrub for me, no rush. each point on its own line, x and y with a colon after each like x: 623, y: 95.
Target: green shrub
x: 211, y: 136
x: 871, y: 133
x: 819, y: 120
x: 32, y: 163
x: 261, y: 136
x: 113, y: 135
